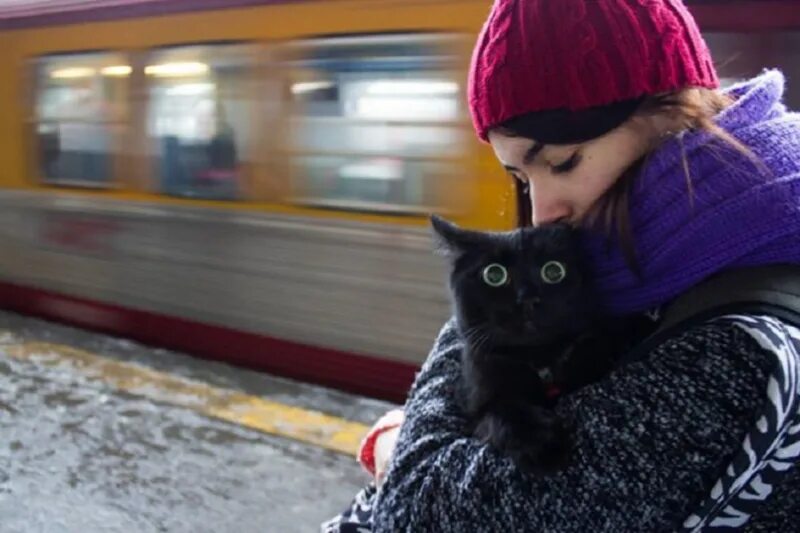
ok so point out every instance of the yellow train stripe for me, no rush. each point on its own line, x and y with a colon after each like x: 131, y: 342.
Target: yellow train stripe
x: 311, y: 427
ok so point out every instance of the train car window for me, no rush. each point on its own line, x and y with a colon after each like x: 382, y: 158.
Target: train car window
x: 376, y: 121
x: 739, y: 56
x: 199, y: 118
x: 80, y: 112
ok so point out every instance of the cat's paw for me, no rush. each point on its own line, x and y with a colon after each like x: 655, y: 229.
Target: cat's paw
x: 545, y: 455
x: 539, y: 442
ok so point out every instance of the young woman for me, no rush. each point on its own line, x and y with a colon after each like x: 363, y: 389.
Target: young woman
x: 608, y: 115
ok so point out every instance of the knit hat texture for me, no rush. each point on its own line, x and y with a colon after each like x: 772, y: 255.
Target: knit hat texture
x: 539, y: 55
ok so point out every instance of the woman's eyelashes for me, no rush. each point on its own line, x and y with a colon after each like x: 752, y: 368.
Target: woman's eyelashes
x: 561, y: 168
x: 566, y: 166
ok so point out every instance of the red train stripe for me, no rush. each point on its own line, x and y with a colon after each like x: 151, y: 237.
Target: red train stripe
x: 360, y: 374
x: 712, y: 15
x: 115, y: 10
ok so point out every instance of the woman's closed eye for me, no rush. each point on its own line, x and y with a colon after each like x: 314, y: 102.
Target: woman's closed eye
x: 566, y: 166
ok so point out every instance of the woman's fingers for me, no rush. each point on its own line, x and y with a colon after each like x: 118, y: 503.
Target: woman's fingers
x: 384, y: 446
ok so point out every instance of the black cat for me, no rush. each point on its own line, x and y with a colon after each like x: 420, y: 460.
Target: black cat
x: 531, y: 333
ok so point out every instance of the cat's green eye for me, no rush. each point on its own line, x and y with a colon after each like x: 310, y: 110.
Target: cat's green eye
x: 553, y: 272
x: 495, y: 275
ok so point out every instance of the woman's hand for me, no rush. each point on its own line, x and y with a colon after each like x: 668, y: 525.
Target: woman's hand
x: 378, y: 445
x: 384, y: 447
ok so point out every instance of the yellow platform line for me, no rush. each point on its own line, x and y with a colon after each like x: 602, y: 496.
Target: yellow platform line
x: 312, y: 427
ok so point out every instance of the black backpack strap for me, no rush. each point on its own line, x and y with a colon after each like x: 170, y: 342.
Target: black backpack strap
x: 770, y: 290
x: 774, y: 290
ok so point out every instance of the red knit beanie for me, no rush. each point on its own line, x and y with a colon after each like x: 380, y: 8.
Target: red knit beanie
x: 573, y: 55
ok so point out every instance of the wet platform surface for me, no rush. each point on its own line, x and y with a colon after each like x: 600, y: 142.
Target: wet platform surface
x: 102, y: 434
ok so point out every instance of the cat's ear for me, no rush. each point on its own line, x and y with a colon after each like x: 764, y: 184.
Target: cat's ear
x: 450, y: 240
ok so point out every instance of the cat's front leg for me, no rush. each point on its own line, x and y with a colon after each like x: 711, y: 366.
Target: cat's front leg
x: 534, y: 437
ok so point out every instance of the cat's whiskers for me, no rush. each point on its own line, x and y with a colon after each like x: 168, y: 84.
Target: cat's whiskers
x: 477, y: 337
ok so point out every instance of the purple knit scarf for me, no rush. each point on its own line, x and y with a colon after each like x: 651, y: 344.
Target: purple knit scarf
x: 741, y: 216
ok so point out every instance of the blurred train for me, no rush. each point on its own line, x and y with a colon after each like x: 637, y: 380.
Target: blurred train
x: 249, y: 180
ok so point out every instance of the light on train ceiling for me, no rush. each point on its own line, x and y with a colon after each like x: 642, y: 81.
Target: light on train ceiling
x: 72, y: 73
x: 117, y: 71
x: 174, y: 70
x: 412, y: 87
x: 304, y: 87
x: 190, y: 89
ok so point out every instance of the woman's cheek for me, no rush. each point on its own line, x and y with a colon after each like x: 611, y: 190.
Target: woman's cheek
x: 593, y: 188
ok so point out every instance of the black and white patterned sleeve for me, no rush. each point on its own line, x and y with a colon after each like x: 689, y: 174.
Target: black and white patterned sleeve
x: 357, y: 518
x: 771, y: 449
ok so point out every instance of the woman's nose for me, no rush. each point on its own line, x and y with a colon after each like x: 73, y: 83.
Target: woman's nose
x: 547, y: 206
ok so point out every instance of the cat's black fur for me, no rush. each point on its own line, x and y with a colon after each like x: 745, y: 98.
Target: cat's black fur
x: 512, y: 332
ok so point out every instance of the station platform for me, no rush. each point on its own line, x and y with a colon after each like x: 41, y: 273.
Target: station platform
x: 99, y: 434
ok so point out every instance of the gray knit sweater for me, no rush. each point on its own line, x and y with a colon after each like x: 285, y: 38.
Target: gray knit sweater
x: 651, y: 442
